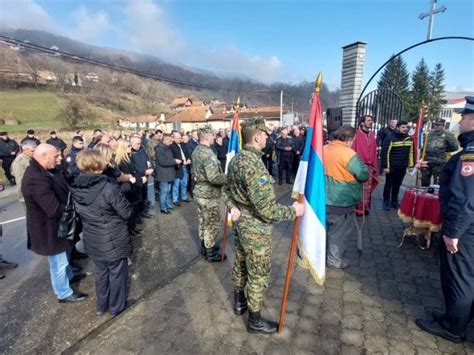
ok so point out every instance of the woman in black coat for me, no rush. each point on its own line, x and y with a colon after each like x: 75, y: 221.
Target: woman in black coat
x: 104, y: 212
x: 132, y: 188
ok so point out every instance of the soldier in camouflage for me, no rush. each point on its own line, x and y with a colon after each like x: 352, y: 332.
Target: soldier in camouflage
x: 250, y: 189
x: 440, y: 142
x: 210, y: 179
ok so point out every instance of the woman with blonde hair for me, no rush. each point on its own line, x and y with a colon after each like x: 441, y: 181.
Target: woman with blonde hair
x: 131, y: 188
x: 104, y: 212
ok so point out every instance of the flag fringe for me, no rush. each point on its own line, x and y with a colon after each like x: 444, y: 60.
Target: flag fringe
x: 305, y: 264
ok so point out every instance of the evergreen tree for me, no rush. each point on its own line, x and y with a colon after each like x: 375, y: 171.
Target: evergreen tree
x: 420, y: 89
x: 395, y: 77
x: 435, y: 100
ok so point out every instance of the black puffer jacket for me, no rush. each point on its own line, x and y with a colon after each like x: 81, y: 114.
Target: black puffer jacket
x: 397, y: 151
x: 104, y: 211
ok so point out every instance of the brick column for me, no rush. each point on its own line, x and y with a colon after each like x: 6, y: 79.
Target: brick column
x: 353, y: 60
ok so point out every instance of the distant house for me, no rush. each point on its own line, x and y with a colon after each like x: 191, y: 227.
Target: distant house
x: 143, y: 122
x: 181, y: 103
x: 271, y: 114
x: 54, y: 48
x: 92, y: 77
x: 189, y: 118
x: 450, y: 110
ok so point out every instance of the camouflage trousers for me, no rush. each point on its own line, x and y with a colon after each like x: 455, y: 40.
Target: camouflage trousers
x: 209, y: 220
x: 252, y: 265
x: 432, y: 170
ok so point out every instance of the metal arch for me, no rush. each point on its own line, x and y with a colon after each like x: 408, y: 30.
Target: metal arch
x: 405, y: 50
x: 382, y: 105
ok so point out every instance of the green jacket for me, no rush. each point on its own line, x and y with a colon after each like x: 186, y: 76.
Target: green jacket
x: 439, y: 144
x: 250, y: 188
x: 345, y: 172
x: 207, y: 172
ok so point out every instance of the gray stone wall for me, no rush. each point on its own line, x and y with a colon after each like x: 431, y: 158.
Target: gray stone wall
x: 353, y: 61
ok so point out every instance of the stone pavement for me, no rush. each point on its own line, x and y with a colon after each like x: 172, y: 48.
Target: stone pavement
x: 368, y: 308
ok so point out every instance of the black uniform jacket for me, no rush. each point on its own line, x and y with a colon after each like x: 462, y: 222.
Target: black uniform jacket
x: 457, y: 191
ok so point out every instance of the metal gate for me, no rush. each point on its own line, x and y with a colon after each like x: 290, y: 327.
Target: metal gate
x: 383, y: 105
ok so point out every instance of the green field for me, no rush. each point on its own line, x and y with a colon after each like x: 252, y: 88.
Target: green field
x: 34, y: 109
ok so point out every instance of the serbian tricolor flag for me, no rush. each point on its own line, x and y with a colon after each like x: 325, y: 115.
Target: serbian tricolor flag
x: 235, y: 142
x: 310, y: 182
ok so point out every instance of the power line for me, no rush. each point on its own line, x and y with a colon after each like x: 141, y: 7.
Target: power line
x: 81, y: 59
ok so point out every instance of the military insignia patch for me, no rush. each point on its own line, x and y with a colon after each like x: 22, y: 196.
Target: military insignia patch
x: 262, y: 181
x: 467, y: 168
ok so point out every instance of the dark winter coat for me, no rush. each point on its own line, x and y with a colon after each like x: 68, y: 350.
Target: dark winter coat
x: 140, y: 160
x: 221, y: 152
x: 7, y: 148
x: 281, y: 144
x: 34, y: 139
x: 104, y: 212
x: 71, y: 166
x: 165, y: 164
x: 132, y: 191
x: 397, y: 151
x: 384, y: 133
x: 45, y: 197
x: 177, y: 155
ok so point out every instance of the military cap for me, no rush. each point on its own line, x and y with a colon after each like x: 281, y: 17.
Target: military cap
x: 30, y: 131
x: 469, y: 107
x: 205, y: 129
x: 254, y: 123
x: 3, y: 134
x: 439, y: 121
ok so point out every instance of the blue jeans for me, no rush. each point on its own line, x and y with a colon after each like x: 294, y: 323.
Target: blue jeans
x: 181, y: 184
x: 61, y: 273
x: 165, y: 195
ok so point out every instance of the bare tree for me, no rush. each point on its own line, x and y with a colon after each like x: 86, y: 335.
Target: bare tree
x: 61, y: 71
x: 34, y: 63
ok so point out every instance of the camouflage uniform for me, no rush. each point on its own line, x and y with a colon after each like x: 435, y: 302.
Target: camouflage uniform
x: 207, y: 172
x: 439, y: 144
x: 250, y: 189
x: 150, y: 149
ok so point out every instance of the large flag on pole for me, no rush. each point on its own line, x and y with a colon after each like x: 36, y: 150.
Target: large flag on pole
x: 310, y: 182
x: 235, y: 141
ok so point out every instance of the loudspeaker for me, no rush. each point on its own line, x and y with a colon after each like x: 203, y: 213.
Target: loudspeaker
x: 333, y: 118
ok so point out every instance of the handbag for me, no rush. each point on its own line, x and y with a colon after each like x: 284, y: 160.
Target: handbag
x: 70, y: 223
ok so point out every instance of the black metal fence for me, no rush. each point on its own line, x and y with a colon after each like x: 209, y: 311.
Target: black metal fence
x: 383, y: 105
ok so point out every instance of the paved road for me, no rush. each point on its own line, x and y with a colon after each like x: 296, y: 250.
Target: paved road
x: 31, y: 320
x: 367, y: 309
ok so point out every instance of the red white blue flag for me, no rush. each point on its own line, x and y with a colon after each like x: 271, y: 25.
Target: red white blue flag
x: 310, y: 182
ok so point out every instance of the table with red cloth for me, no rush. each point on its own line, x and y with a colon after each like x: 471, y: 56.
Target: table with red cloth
x: 422, y: 210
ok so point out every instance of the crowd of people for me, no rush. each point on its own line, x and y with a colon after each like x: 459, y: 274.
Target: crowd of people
x: 107, y: 181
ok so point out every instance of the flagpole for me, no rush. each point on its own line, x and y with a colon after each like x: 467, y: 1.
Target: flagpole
x: 224, y: 239
x: 226, y: 218
x: 294, y: 241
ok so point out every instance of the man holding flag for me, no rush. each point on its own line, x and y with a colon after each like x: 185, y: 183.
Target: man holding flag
x: 250, y: 189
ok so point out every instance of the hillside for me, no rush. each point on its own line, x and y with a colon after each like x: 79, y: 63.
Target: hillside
x: 297, y: 95
x: 34, y: 109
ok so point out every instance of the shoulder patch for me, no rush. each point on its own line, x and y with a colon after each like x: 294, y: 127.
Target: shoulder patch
x: 263, y: 180
x: 467, y: 156
x: 467, y: 168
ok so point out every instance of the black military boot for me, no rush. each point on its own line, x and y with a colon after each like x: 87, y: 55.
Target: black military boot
x: 240, y: 302
x: 257, y: 324
x: 212, y: 256
x: 203, y: 248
